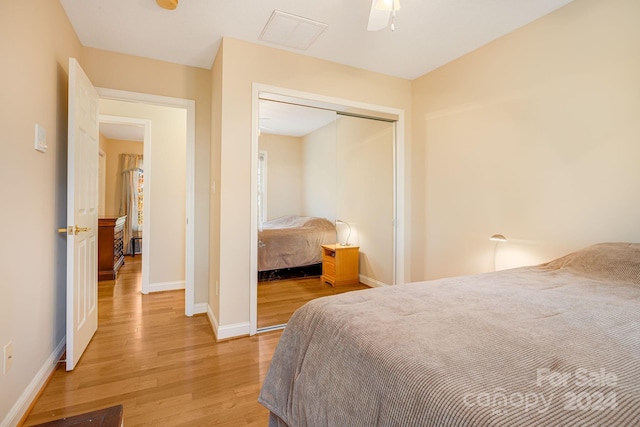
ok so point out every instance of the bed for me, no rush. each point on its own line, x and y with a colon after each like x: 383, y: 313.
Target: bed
x: 553, y: 344
x: 293, y: 241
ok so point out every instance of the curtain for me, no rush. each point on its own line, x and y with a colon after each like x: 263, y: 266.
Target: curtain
x: 131, y: 169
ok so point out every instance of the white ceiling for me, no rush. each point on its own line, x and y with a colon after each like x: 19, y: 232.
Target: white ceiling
x: 292, y: 120
x: 428, y: 34
x: 122, y: 132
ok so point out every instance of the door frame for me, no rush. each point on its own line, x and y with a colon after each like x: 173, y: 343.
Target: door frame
x: 101, y: 178
x: 189, y: 105
x: 313, y: 99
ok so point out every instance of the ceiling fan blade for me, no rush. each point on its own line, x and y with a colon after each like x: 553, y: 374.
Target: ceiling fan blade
x: 378, y: 19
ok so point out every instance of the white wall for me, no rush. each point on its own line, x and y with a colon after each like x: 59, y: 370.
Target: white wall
x: 165, y: 209
x: 284, y: 174
x: 535, y: 136
x: 319, y: 178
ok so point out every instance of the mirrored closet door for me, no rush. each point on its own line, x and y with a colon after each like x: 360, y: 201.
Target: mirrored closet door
x: 365, y: 194
x: 296, y: 205
x: 325, y: 195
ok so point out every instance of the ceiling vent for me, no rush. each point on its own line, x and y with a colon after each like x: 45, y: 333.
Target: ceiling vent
x: 291, y: 31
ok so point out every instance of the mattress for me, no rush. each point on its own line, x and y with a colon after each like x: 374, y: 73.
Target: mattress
x: 553, y: 344
x: 293, y: 241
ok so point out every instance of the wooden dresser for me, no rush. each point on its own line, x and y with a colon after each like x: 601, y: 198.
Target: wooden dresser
x: 340, y: 265
x: 110, y: 246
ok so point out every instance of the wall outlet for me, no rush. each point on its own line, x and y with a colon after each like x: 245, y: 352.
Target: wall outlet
x: 8, y: 357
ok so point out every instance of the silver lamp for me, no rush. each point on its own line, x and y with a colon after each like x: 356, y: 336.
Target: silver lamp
x: 496, y: 238
x: 346, y: 241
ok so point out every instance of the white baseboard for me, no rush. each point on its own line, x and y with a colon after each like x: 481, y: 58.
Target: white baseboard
x: 21, y: 407
x: 212, y: 320
x: 372, y: 282
x: 233, y: 330
x: 227, y: 331
x: 166, y: 286
x: 200, y: 308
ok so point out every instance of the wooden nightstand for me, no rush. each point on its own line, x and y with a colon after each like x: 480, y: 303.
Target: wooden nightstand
x: 340, y: 265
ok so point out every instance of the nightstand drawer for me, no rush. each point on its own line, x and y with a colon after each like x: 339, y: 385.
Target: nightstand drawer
x: 329, y: 268
x: 329, y: 259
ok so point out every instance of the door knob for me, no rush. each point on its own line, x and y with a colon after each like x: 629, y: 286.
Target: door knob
x: 81, y: 230
x: 73, y: 230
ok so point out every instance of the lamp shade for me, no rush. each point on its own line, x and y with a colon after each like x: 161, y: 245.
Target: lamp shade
x: 346, y: 241
x: 498, y: 238
x: 390, y: 5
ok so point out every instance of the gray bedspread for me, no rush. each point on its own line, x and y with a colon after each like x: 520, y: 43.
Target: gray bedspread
x: 293, y: 241
x: 551, y: 345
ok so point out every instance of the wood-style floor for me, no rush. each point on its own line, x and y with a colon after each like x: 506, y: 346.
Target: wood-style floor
x: 165, y: 368
x: 278, y: 299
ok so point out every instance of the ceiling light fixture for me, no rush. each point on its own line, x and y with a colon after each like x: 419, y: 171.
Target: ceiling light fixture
x: 383, y: 14
x: 167, y: 4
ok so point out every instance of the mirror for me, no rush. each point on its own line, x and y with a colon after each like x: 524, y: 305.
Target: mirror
x: 325, y: 177
x: 365, y: 194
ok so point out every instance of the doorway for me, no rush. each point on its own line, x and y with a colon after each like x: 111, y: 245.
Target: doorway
x: 187, y: 206
x: 348, y: 114
x: 126, y: 136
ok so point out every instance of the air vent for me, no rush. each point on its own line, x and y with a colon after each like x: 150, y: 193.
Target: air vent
x: 292, y: 31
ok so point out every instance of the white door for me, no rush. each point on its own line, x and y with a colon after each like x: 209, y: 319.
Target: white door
x: 82, y: 214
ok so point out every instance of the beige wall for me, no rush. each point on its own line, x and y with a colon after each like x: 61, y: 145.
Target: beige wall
x: 364, y: 193
x: 37, y: 41
x: 284, y: 174
x: 124, y: 72
x: 534, y: 136
x: 113, y: 189
x: 214, y: 186
x: 283, y: 69
x: 319, y: 177
x: 165, y: 207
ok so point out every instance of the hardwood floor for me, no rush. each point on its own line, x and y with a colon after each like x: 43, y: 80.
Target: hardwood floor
x: 278, y: 299
x: 165, y: 368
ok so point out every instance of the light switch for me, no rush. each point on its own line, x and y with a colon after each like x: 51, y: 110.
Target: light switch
x: 41, y: 139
